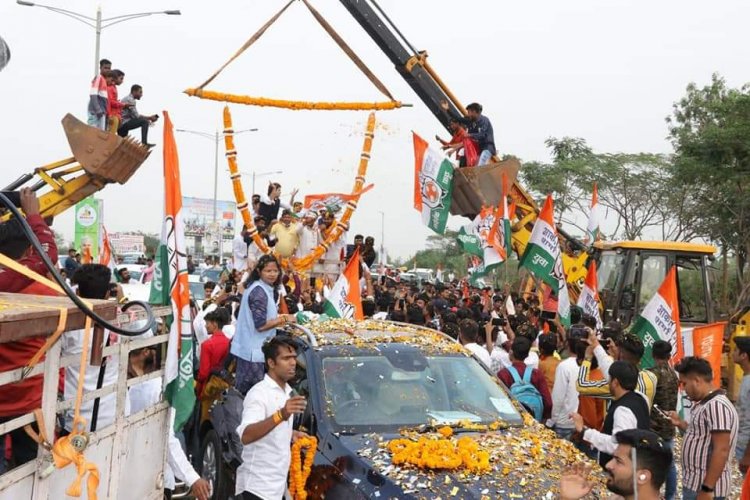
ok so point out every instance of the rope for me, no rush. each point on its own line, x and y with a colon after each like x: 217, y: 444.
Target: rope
x: 67, y: 449
x: 247, y: 44
x: 348, y: 51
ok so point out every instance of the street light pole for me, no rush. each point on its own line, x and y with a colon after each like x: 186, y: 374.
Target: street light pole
x: 96, y: 22
x: 98, y: 29
x: 382, y: 237
x: 214, y: 137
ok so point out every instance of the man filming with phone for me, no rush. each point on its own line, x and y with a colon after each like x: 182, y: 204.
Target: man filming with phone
x: 266, y: 430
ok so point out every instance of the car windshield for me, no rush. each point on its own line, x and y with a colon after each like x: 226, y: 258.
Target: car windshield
x: 197, y: 291
x: 367, y: 392
x: 211, y: 275
x: 135, y: 275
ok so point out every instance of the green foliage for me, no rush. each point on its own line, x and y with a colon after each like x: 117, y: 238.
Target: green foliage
x: 710, y: 132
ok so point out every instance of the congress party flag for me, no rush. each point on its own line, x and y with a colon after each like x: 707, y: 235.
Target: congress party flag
x: 433, y: 185
x: 592, y: 228
x: 345, y: 298
x: 588, y: 301
x: 543, y: 258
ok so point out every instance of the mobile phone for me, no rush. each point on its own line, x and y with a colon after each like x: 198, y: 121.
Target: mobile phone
x: 548, y: 315
x: 661, y: 412
x: 498, y: 321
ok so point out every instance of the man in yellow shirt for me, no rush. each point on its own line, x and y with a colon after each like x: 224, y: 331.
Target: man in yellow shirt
x: 627, y: 348
x: 287, y: 235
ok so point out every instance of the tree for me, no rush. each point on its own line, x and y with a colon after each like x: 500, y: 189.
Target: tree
x: 710, y: 131
x: 636, y: 187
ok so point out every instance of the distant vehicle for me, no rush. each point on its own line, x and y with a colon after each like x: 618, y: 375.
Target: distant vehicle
x: 132, y: 257
x: 408, y: 278
x: 424, y: 275
x: 197, y: 292
x: 211, y: 274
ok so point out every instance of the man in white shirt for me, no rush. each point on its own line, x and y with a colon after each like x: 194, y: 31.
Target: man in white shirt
x: 565, y: 394
x: 309, y: 234
x: 628, y: 410
x: 266, y: 428
x: 92, y: 282
x: 239, y: 250
x: 468, y: 333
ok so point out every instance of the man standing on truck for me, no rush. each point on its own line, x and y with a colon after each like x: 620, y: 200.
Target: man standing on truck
x: 266, y: 429
x: 480, y: 131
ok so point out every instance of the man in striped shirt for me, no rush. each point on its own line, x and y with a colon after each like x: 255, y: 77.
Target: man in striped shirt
x: 627, y: 348
x: 711, y: 433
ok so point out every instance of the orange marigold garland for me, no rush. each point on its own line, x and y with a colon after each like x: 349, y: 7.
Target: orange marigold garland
x: 293, y: 105
x: 299, y: 264
x: 299, y: 471
x: 440, y: 453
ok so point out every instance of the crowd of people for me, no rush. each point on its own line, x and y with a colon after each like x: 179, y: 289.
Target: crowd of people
x: 585, y: 383
x: 117, y: 116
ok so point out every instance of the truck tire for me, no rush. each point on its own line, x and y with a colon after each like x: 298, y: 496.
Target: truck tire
x: 212, y: 465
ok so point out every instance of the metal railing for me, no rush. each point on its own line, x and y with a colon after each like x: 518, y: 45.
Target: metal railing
x: 52, y: 406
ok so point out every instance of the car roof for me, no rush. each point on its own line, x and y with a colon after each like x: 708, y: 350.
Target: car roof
x: 370, y: 333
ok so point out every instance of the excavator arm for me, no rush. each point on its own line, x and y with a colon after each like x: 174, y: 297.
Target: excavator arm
x: 99, y: 158
x: 473, y: 186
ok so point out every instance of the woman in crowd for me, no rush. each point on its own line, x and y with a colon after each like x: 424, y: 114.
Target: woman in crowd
x: 257, y: 322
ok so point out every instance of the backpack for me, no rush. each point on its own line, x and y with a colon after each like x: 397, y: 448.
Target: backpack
x: 525, y: 392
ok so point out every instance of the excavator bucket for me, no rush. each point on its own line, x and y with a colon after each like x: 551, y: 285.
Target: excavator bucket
x: 103, y: 155
x: 474, y: 187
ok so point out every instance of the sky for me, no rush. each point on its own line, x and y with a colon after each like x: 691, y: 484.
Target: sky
x: 605, y: 71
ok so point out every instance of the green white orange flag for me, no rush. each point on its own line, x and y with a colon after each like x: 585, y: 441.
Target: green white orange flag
x: 170, y: 287
x: 502, y: 219
x: 345, y: 299
x: 660, y: 320
x: 592, y: 228
x: 588, y: 300
x: 543, y: 258
x: 433, y: 185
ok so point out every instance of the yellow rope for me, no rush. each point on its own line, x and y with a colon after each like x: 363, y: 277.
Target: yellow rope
x: 63, y: 451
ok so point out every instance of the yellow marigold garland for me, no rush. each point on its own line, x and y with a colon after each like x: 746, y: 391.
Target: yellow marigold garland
x: 299, y: 264
x: 294, y: 105
x: 299, y: 471
x: 440, y: 453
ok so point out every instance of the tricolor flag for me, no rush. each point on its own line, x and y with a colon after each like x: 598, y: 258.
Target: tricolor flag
x: 170, y: 287
x: 660, y: 320
x: 333, y: 201
x: 589, y: 298
x: 345, y: 299
x: 502, y: 220
x: 592, y: 228
x: 544, y: 258
x: 433, y: 185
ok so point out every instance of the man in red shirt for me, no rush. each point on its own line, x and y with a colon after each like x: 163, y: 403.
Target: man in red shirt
x: 22, y: 397
x: 214, y: 350
x: 114, y: 106
x: 519, y: 350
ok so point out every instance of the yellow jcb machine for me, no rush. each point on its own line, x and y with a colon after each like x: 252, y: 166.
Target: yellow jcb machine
x: 629, y: 273
x: 99, y: 158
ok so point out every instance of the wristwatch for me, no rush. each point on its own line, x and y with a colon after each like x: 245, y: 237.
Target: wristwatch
x: 707, y: 489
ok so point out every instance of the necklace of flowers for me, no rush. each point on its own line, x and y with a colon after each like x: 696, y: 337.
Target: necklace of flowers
x: 299, y: 471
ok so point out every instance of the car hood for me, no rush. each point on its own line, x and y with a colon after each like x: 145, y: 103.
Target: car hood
x: 525, y: 463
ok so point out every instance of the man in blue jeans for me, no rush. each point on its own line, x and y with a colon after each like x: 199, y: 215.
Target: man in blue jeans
x: 480, y: 130
x: 665, y: 399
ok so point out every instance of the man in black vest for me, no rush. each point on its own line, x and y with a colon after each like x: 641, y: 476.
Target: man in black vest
x: 628, y: 410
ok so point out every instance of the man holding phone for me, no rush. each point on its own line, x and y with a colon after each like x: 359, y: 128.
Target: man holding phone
x: 266, y: 430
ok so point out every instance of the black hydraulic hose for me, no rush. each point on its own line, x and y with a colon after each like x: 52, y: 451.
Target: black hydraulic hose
x: 29, y: 233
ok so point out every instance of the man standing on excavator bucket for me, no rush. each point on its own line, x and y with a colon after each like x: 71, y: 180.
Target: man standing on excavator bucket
x: 480, y: 130
x: 97, y: 111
